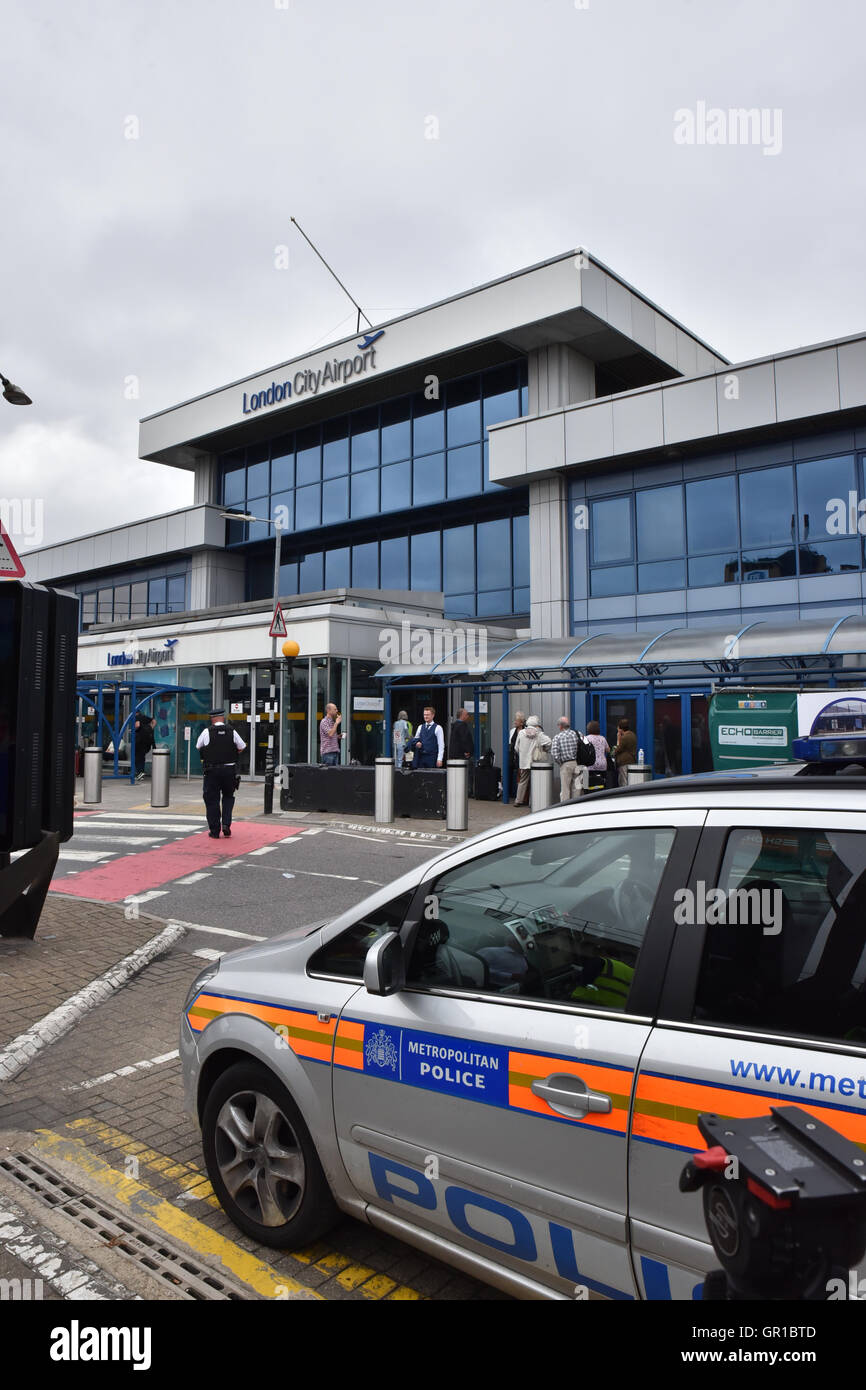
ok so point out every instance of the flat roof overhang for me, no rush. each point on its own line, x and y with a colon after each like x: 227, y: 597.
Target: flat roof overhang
x: 570, y: 299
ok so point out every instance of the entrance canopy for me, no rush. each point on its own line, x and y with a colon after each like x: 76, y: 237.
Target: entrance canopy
x: 814, y: 645
x: 140, y: 694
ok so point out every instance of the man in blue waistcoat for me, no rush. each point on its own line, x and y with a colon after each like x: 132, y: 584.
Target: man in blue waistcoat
x: 428, y: 745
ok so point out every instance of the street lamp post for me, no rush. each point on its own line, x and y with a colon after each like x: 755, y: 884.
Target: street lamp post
x: 13, y: 394
x: 269, y: 756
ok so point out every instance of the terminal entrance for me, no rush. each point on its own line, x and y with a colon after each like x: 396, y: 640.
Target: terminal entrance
x: 247, y: 697
x: 672, y: 727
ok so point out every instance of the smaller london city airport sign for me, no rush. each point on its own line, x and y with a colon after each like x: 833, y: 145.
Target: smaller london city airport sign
x: 308, y: 381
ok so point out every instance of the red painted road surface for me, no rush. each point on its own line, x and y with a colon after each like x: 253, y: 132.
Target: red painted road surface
x: 137, y: 873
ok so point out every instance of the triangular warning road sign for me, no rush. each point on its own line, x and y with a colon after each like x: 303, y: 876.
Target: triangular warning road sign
x: 10, y: 566
x: 278, y: 625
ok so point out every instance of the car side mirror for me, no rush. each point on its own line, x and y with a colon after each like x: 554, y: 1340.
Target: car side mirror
x: 385, y: 965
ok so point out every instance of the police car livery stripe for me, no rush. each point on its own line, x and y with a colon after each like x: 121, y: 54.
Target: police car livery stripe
x: 666, y: 1110
x: 349, y: 1045
x: 616, y: 1082
x: 301, y: 1030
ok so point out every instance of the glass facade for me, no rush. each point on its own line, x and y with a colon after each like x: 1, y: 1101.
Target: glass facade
x: 134, y: 595
x: 357, y: 472
x: 745, y: 525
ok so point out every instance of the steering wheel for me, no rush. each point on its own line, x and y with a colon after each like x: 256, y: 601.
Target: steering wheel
x: 632, y: 901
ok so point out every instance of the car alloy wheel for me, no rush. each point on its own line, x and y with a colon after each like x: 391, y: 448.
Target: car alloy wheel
x: 260, y: 1160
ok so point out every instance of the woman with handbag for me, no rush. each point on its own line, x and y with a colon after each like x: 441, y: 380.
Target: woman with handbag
x: 532, y: 746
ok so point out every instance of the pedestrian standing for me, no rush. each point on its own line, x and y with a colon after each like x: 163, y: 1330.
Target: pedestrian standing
x: 143, y: 743
x: 399, y: 736
x: 330, y: 735
x: 219, y: 748
x: 563, y: 750
x: 531, y: 742
x: 513, y: 766
x: 602, y: 751
x: 461, y: 744
x: 625, y: 751
x: 428, y: 745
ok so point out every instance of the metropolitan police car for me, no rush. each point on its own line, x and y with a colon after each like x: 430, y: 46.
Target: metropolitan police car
x: 501, y: 1057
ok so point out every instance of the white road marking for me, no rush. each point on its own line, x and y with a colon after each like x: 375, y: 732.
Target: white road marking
x: 97, y: 823
x: 192, y: 878
x: 125, y: 1071
x: 217, y: 931
x: 265, y: 849
x: 128, y: 839
x: 208, y: 953
x: 310, y: 873
x: 21, y: 1050
x: 146, y: 897
x: 87, y: 856
x: 137, y: 816
x: 53, y: 1260
x: 228, y: 863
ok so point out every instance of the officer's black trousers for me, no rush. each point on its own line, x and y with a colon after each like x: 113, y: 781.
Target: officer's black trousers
x: 219, y: 782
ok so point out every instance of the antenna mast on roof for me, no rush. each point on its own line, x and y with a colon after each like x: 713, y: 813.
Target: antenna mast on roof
x: 333, y: 272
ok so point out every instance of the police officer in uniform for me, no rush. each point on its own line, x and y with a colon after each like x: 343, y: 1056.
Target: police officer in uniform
x: 219, y: 747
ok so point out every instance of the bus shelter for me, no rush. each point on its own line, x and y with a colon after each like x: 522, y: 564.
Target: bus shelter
x: 116, y: 705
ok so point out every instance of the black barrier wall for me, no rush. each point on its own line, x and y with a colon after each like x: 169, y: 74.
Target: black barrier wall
x: 351, y: 791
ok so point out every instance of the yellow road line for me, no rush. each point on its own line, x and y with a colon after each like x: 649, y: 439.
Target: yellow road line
x: 148, y: 1205
x: 323, y: 1257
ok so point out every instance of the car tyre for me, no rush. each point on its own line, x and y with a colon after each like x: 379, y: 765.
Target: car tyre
x: 262, y: 1162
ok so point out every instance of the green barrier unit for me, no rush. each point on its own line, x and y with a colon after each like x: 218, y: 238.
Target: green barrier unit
x: 752, y: 727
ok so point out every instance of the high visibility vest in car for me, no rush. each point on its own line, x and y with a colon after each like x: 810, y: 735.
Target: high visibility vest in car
x: 611, y: 985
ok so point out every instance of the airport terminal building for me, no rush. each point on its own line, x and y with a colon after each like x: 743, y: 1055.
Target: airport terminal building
x: 549, y: 462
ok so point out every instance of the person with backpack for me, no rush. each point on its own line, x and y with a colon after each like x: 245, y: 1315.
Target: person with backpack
x: 573, y: 756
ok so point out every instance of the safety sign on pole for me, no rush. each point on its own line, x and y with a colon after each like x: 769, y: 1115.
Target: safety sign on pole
x: 278, y: 625
x: 10, y: 566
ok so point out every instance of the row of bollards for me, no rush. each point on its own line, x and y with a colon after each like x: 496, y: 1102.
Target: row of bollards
x: 159, y: 784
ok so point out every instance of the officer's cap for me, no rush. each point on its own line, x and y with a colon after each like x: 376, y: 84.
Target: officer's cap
x: 212, y: 713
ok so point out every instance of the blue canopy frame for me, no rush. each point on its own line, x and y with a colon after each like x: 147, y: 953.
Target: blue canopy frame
x: 141, y: 692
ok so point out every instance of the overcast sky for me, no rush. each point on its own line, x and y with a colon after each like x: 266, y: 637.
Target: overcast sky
x: 151, y: 260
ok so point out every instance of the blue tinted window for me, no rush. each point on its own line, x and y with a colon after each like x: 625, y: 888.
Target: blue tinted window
x: 428, y: 425
x: 501, y: 389
x: 830, y: 557
x: 769, y: 564
x: 155, y: 599
x: 177, y: 594
x: 365, y: 566
x: 520, y: 549
x: 365, y: 494
x: 714, y: 569
x: 660, y: 523
x: 463, y: 412
x: 611, y: 532
x: 426, y: 570
x: 282, y: 510
x: 234, y: 488
x: 460, y: 606
x: 289, y: 578
x: 819, y: 482
x: 767, y: 506
x: 335, y: 448
x: 283, y: 464
x: 311, y: 576
x: 308, y: 464
x: 711, y: 508
x: 494, y: 604
x: 488, y: 485
x: 258, y: 530
x: 429, y: 479
x: 617, y: 579
x: 395, y: 563
x: 257, y: 479
x: 664, y: 574
x: 337, y: 569
x: 396, y: 431
x: 397, y: 487
x: 335, y: 500
x: 494, y: 554
x: 459, y: 557
x: 307, y: 507
x: 236, y: 532
x: 464, y: 470
x: 521, y: 600
x: 365, y: 439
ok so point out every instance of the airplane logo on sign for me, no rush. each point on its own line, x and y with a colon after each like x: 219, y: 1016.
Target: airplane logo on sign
x: 10, y: 566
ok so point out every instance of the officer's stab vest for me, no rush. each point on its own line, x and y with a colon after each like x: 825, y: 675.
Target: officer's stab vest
x: 220, y: 747
x: 610, y: 987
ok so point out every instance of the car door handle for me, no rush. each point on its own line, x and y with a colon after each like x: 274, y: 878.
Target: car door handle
x: 567, y: 1094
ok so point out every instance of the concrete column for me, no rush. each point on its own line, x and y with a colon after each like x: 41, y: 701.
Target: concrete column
x: 558, y: 376
x: 206, y: 479
x: 216, y: 578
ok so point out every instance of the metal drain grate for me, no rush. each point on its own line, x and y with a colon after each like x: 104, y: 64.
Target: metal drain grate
x: 127, y: 1237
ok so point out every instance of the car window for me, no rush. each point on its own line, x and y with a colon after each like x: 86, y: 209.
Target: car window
x: 344, y: 956
x: 559, y: 918
x: 790, y: 951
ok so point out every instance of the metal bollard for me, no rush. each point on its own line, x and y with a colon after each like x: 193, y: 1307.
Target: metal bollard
x: 92, y: 795
x: 159, y: 783
x: 457, y: 794
x: 637, y: 774
x: 384, y: 791
x: 540, y: 786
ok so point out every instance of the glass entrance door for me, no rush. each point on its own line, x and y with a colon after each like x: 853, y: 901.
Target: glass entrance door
x: 267, y: 719
x: 239, y: 698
